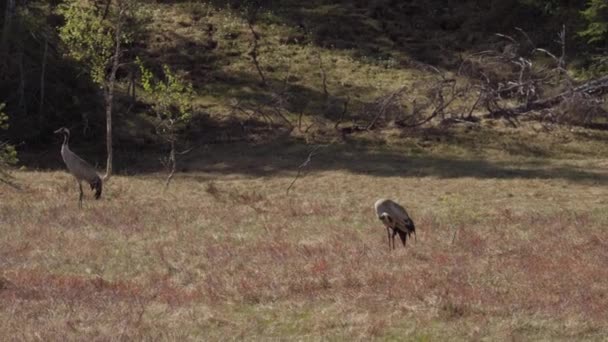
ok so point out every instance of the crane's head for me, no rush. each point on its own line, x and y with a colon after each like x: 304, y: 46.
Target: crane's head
x: 62, y: 130
x: 386, y: 219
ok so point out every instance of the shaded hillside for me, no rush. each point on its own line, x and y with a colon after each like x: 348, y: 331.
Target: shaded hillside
x: 318, y: 64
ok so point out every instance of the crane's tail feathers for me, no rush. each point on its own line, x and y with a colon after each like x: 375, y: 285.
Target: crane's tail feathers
x: 403, y: 236
x: 97, y: 185
x: 411, y: 228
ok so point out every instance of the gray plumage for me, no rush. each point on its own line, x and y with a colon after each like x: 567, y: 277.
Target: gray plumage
x: 80, y: 169
x: 395, y: 219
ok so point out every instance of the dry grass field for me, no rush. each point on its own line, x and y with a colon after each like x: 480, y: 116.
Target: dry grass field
x: 512, y: 245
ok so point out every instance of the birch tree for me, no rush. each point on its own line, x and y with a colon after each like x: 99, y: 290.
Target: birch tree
x: 96, y: 38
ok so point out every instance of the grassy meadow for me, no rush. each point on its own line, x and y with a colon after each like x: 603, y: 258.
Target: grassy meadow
x: 512, y: 223
x: 510, y: 245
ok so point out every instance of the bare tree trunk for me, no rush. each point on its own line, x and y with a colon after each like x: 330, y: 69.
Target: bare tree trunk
x: 172, y: 164
x: 344, y: 111
x: 253, y: 51
x: 131, y: 89
x: 42, y: 76
x: 109, y: 91
x: 109, y: 98
x: 22, y: 100
x: 106, y: 10
x: 323, y: 77
x: 8, y: 21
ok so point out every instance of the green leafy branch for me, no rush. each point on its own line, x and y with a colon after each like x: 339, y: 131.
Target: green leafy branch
x: 172, y: 105
x: 172, y: 99
x: 8, y: 154
x: 89, y: 39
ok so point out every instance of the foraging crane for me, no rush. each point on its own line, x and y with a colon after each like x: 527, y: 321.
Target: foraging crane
x: 80, y: 169
x: 395, y: 218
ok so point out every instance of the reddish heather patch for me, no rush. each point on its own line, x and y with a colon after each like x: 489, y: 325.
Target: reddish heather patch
x: 32, y: 285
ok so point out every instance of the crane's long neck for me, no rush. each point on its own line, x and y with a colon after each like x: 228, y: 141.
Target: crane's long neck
x: 64, y: 146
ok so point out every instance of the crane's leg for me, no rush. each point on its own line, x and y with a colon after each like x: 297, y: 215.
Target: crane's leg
x: 81, y: 194
x: 403, y: 237
x: 394, y: 233
x: 388, y: 231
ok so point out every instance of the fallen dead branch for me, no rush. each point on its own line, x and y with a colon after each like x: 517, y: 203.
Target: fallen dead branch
x: 591, y: 88
x: 529, y: 83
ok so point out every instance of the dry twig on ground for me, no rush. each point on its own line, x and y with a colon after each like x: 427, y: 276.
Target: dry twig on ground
x: 304, y: 165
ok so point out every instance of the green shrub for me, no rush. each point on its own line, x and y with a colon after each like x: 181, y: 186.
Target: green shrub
x: 8, y: 154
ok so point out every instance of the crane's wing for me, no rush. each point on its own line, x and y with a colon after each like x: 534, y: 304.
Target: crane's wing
x: 404, y: 221
x: 79, y: 167
x: 399, y: 211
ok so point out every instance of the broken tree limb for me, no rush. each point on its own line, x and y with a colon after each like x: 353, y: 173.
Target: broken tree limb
x: 593, y: 87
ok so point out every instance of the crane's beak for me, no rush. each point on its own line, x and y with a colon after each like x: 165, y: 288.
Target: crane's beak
x: 57, y: 131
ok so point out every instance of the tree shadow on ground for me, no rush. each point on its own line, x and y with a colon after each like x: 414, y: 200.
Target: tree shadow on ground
x: 281, y: 154
x: 285, y: 158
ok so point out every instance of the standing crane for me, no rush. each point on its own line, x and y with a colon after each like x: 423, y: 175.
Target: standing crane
x: 395, y: 219
x: 80, y: 169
